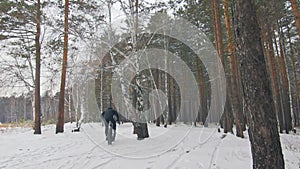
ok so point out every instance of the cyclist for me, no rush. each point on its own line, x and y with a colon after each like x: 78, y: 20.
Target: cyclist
x: 111, y: 115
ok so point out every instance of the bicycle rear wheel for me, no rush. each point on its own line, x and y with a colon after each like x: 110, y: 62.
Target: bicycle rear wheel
x: 109, y: 134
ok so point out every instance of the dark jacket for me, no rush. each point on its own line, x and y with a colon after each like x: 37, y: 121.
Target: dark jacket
x: 109, y: 114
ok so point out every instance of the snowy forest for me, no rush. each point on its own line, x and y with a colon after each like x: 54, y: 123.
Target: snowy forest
x: 230, y: 67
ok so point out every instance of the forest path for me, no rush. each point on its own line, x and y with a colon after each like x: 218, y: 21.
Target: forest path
x: 178, y: 146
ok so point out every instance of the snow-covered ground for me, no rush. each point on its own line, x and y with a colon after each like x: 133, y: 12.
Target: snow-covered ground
x: 178, y: 146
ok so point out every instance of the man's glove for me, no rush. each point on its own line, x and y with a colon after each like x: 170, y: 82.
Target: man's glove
x: 118, y: 122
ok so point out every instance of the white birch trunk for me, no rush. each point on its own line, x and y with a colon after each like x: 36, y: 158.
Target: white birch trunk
x: 33, y: 106
x: 69, y: 109
x: 24, y: 109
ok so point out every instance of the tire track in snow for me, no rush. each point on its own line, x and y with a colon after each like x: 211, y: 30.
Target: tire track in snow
x: 215, y: 152
x: 103, y: 164
x: 85, y: 159
x: 198, y: 146
x: 289, y: 147
x: 79, y: 158
x: 126, y: 156
x: 42, y: 155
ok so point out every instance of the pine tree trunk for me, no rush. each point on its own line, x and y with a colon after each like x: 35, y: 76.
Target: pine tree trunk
x: 169, y: 116
x: 61, y: 106
x: 157, y: 113
x: 285, y: 86
x: 296, y: 14
x: 170, y: 101
x: 274, y: 79
x: 279, y: 101
x: 296, y: 81
x: 267, y: 32
x: 203, y: 109
x: 219, y: 45
x: 238, y: 73
x: 37, y: 103
x: 259, y: 106
x: 236, y: 97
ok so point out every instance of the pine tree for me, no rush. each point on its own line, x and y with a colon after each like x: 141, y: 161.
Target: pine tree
x: 259, y: 106
x: 295, y: 8
x: 236, y: 97
x: 228, y: 122
x: 37, y: 121
x: 60, y: 122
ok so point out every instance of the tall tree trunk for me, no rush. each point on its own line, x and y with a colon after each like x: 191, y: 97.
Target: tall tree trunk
x: 202, y: 114
x: 174, y: 97
x: 69, y: 105
x: 285, y: 84
x: 156, y: 83
x: 267, y: 30
x: 280, y: 104
x: 296, y: 14
x: 236, y: 97
x: 170, y: 100
x: 274, y: 78
x: 37, y: 104
x: 167, y: 81
x: 259, y: 106
x: 12, y: 108
x: 296, y: 81
x: 60, y: 122
x: 219, y: 45
x: 238, y: 72
x: 24, y: 109
x: 141, y: 129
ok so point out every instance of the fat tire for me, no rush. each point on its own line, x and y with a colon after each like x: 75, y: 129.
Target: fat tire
x: 109, y: 134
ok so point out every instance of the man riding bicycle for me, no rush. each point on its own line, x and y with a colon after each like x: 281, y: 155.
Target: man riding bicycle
x: 110, y: 115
